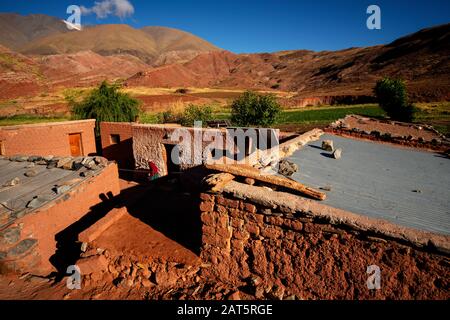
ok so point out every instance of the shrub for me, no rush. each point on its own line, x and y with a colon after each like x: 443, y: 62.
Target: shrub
x: 188, y: 116
x: 168, y: 117
x: 182, y: 91
x: 106, y: 103
x: 393, y: 99
x: 196, y: 113
x: 276, y: 86
x: 252, y: 109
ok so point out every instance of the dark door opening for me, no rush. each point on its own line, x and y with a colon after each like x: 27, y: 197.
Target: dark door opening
x: 172, y: 158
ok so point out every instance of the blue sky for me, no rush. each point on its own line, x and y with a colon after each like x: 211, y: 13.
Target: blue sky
x: 265, y: 25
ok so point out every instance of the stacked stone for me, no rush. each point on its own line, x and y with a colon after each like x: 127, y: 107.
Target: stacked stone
x: 16, y: 253
x: 66, y: 163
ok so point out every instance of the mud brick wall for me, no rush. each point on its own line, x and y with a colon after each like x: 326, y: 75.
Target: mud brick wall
x: 121, y: 151
x: 29, y: 242
x: 47, y: 138
x: 267, y: 250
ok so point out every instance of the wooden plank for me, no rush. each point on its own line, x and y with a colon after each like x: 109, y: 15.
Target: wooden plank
x: 243, y: 171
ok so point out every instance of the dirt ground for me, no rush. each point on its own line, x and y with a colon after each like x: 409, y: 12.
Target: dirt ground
x: 162, y: 240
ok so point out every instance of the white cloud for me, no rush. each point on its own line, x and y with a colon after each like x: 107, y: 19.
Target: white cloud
x: 105, y: 8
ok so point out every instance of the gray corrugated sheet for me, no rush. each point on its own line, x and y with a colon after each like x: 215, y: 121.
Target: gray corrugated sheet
x: 379, y: 180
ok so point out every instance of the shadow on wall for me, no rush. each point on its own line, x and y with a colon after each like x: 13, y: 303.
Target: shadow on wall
x: 172, y: 209
x: 68, y: 249
x: 121, y: 152
x: 163, y: 204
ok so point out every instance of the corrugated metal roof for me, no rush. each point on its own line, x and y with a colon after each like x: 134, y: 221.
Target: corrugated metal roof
x: 404, y: 186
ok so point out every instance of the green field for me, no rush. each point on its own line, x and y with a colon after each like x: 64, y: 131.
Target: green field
x: 436, y: 114
x: 304, y: 118
x: 29, y: 119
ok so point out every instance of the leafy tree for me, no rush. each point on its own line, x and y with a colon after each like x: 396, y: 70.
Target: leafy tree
x: 253, y: 109
x: 106, y: 103
x: 393, y: 99
x: 188, y: 116
x: 196, y: 113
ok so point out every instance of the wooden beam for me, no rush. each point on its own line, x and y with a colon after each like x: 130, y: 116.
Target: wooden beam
x: 245, y: 171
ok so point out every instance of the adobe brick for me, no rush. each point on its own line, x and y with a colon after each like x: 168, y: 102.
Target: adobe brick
x: 237, y: 223
x: 224, y: 232
x: 208, y: 218
x: 249, y: 207
x: 227, y: 202
x: 207, y: 197
x: 271, y: 232
x: 241, y: 234
x: 206, y: 206
x: 222, y: 221
x: 208, y: 230
x: 252, y: 228
x: 221, y: 209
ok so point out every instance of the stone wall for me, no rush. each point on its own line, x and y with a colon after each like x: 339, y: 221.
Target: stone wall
x: 276, y: 251
x: 47, y: 138
x: 28, y: 243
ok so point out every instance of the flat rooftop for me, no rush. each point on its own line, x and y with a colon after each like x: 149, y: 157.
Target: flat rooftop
x: 30, y: 182
x: 404, y: 186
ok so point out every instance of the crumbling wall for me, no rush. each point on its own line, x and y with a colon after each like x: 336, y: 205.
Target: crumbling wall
x: 276, y: 251
x: 120, y: 151
x: 402, y: 133
x: 151, y: 142
x: 47, y: 138
x: 27, y: 243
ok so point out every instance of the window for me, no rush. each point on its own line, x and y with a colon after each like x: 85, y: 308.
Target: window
x: 2, y: 148
x: 114, y: 138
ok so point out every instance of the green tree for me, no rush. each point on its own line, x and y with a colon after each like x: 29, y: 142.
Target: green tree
x: 106, y: 103
x: 188, y: 116
x: 392, y: 97
x: 253, y: 109
x: 194, y: 113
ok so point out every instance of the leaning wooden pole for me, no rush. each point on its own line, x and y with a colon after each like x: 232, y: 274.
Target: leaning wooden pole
x: 271, y: 179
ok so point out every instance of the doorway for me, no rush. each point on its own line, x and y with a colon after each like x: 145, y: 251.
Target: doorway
x: 76, y: 147
x: 173, y: 165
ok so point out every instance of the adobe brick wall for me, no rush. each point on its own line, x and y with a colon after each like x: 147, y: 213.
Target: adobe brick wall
x: 121, y: 152
x: 47, y: 138
x: 28, y: 243
x: 294, y: 253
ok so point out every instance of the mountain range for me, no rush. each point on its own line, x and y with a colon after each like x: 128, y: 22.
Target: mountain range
x: 38, y: 52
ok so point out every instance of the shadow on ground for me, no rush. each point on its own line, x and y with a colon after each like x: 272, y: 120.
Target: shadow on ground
x: 169, y: 205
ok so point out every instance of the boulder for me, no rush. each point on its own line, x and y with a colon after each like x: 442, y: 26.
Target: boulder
x: 327, y: 145
x: 337, y: 153
x: 12, y: 182
x: 31, y: 173
x: 287, y: 168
